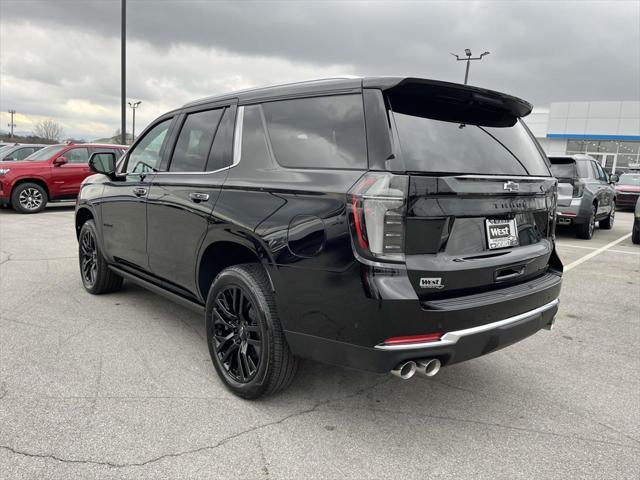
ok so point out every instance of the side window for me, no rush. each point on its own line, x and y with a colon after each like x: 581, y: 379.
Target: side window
x: 194, y: 141
x: 23, y: 153
x: 321, y: 132
x: 145, y: 157
x: 222, y: 149
x: 254, y: 141
x: 601, y: 174
x: 77, y: 155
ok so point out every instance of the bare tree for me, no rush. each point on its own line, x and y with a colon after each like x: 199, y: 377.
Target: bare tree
x: 49, y: 130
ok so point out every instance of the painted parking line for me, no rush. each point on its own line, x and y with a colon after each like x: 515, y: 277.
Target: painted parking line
x: 596, y: 252
x: 568, y: 245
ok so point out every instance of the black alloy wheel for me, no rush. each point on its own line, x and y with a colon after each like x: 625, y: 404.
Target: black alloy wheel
x: 246, y: 340
x: 236, y: 334
x: 96, y: 276
x: 88, y: 258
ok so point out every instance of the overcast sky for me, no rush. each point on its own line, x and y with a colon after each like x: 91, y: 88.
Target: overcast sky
x: 60, y: 59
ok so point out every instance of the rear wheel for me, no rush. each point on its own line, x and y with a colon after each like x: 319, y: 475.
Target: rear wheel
x: 244, y: 334
x: 585, y: 230
x: 95, y: 273
x: 607, y: 223
x: 29, y: 198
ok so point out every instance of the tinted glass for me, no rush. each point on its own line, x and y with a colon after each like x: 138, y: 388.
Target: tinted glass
x: 194, y: 142
x: 222, y: 148
x: 145, y: 157
x: 77, y: 155
x: 583, y: 170
x: 254, y: 141
x: 430, y: 145
x: 601, y: 175
x: 46, y: 153
x: 629, y: 180
x: 322, y: 132
x: 563, y: 170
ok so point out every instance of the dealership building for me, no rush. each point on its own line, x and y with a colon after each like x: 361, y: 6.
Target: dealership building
x: 607, y: 131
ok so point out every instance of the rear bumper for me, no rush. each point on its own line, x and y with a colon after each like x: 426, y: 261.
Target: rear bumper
x: 573, y: 214
x: 454, y: 347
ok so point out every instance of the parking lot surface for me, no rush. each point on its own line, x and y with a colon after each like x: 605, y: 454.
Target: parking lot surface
x: 121, y: 385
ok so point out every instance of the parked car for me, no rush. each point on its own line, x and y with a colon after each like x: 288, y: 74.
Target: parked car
x: 384, y: 224
x: 19, y: 151
x: 585, y: 194
x: 628, y: 190
x: 51, y: 173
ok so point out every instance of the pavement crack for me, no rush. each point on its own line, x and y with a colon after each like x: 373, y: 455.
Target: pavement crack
x: 216, y: 445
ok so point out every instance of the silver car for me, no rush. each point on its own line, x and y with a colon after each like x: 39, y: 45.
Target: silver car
x: 586, y: 194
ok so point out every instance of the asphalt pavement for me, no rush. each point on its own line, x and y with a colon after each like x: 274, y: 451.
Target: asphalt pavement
x: 121, y: 385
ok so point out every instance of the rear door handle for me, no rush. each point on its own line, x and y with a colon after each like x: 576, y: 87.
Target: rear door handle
x: 198, y: 197
x: 140, y: 191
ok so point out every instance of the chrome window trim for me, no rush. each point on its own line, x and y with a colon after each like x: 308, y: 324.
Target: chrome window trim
x: 451, y: 338
x: 237, y: 148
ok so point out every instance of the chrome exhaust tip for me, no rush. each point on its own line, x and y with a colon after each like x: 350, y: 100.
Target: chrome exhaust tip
x: 428, y: 366
x: 405, y: 370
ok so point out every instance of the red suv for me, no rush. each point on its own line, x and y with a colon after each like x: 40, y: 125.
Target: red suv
x: 53, y: 173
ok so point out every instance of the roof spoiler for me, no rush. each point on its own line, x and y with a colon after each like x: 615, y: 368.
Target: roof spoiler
x: 455, y: 102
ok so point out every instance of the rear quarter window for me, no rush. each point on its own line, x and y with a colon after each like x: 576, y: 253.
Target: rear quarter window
x: 318, y: 132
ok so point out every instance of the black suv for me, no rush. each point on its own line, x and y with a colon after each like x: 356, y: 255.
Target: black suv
x: 386, y: 224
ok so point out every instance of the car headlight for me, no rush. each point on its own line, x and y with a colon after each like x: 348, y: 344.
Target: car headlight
x: 4, y: 171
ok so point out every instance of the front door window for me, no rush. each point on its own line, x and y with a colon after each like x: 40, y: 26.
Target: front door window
x: 146, y: 155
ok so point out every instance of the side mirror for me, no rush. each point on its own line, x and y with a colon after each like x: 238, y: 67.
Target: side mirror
x: 614, y: 178
x: 103, y: 162
x: 60, y: 161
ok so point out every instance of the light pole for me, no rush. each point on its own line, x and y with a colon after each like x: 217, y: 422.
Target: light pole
x: 11, y: 124
x: 133, y: 107
x: 123, y: 73
x: 468, y: 59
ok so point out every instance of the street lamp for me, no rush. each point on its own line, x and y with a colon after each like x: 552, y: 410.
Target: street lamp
x: 468, y: 60
x: 133, y: 107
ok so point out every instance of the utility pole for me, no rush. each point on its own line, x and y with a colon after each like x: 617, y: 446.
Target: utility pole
x: 11, y: 124
x: 133, y: 106
x: 468, y: 60
x: 123, y: 74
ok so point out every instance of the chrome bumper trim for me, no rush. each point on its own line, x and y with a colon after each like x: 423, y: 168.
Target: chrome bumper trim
x: 451, y: 338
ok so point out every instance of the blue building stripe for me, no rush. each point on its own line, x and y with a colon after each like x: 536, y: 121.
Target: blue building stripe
x: 579, y: 136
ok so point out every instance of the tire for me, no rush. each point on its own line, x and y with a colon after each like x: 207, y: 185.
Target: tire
x: 248, y: 350
x: 94, y: 271
x: 29, y: 198
x: 635, y: 236
x: 607, y: 223
x: 585, y: 230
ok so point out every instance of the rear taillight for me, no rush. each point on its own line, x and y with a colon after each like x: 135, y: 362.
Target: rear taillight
x: 578, y: 188
x: 377, y: 204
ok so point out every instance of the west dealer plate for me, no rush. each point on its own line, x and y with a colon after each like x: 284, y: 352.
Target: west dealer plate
x: 501, y: 233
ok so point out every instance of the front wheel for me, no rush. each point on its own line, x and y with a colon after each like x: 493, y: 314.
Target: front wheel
x: 607, y: 223
x: 29, y: 198
x: 95, y: 273
x: 585, y: 230
x: 245, y: 337
x: 635, y: 236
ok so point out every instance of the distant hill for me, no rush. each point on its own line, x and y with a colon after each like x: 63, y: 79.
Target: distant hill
x: 115, y: 139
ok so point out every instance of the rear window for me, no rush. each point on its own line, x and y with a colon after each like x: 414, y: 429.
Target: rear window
x: 430, y: 145
x: 319, y: 132
x: 46, y: 153
x: 563, y: 170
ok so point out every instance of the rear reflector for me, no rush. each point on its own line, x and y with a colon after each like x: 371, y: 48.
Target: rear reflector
x: 430, y: 337
x: 568, y: 214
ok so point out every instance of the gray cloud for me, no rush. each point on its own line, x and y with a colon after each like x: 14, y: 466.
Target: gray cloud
x: 542, y: 51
